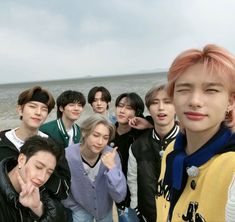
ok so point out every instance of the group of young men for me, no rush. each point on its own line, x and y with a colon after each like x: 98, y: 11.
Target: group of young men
x: 182, y: 180
x: 36, y: 103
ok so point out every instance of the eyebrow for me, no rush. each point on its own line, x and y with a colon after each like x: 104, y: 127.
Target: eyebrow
x: 204, y: 84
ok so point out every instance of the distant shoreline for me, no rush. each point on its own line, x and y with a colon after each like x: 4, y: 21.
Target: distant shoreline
x: 84, y: 78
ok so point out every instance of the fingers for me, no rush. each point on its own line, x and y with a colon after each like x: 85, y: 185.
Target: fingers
x: 114, y: 150
x: 26, y: 188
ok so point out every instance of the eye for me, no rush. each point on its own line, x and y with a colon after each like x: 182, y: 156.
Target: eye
x: 168, y: 102
x: 155, y: 102
x: 182, y: 90
x: 32, y: 106
x: 212, y: 90
x: 45, y: 109
x: 38, y: 167
x: 49, y: 172
x: 120, y: 105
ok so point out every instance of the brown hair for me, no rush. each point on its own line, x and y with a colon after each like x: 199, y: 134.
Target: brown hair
x: 28, y: 94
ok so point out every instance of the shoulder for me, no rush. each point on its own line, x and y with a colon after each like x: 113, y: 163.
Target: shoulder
x: 49, y: 125
x: 72, y: 150
x: 144, y: 138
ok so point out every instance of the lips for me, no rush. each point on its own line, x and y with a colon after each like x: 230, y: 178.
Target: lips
x: 161, y: 116
x: 76, y: 113
x: 195, y: 116
x: 36, y: 119
x: 36, y: 184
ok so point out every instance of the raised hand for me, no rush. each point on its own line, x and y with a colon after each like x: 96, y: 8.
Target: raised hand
x: 108, y: 158
x: 30, y: 196
x: 139, y: 123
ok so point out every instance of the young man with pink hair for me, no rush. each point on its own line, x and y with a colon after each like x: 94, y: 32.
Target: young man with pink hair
x: 198, y: 169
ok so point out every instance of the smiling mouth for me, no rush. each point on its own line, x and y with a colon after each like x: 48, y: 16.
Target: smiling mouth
x: 161, y: 115
x: 36, y: 184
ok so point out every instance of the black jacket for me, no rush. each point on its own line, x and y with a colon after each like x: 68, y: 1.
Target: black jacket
x: 146, y: 151
x: 123, y: 142
x: 12, y: 211
x: 59, y: 182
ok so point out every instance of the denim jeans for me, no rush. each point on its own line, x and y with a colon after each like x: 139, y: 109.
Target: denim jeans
x: 127, y: 215
x: 83, y: 216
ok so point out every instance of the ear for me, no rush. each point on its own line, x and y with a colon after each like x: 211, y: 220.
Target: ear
x: 21, y: 159
x: 231, y: 102
x: 19, y: 110
x: 61, y: 109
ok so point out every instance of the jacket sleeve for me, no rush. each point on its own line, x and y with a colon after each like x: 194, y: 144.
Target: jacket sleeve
x: 116, y: 182
x: 132, y: 179
x: 230, y: 205
x: 60, y: 180
x: 53, y: 210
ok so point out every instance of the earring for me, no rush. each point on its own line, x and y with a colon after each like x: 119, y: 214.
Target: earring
x: 19, y: 167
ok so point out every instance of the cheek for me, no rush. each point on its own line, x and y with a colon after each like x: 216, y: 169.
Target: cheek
x: 28, y: 173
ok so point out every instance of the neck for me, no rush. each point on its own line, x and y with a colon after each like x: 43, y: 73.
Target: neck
x: 123, y: 128
x: 89, y: 156
x: 24, y: 133
x: 67, y: 123
x: 195, y: 140
x: 163, y: 130
x: 13, y: 178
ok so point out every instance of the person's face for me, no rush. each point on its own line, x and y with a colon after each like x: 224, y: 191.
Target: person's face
x: 162, y: 109
x: 33, y: 114
x: 72, y: 111
x: 124, y: 112
x: 98, y: 139
x: 38, y: 169
x: 99, y: 105
x: 200, y: 100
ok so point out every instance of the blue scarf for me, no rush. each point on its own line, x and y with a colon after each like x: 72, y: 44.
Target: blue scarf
x: 177, y: 161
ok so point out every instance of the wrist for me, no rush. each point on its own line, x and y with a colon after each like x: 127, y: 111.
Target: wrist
x: 38, y: 210
x: 111, y: 166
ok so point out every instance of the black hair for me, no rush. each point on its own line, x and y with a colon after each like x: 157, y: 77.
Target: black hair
x: 69, y: 96
x: 134, y: 101
x: 106, y: 96
x: 37, y: 143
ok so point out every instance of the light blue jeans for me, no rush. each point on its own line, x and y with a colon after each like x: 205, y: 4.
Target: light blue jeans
x: 83, y: 216
x: 127, y: 215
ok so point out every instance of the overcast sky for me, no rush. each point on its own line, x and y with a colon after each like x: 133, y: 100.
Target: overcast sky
x: 57, y: 39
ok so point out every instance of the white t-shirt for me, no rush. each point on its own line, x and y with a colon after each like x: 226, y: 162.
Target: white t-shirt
x: 17, y: 141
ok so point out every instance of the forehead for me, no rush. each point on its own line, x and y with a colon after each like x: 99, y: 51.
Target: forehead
x: 124, y: 100
x: 98, y: 94
x: 36, y: 103
x: 160, y: 94
x: 198, y: 74
x: 44, y: 158
x: 101, y: 129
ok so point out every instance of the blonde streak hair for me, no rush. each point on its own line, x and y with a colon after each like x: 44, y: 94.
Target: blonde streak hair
x: 89, y: 124
x: 216, y: 60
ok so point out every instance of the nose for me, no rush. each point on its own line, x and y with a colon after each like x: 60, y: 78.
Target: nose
x: 100, y: 140
x: 77, y: 106
x: 99, y: 101
x: 195, y: 100
x: 42, y: 177
x: 161, y: 105
x: 122, y: 109
x: 38, y: 111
